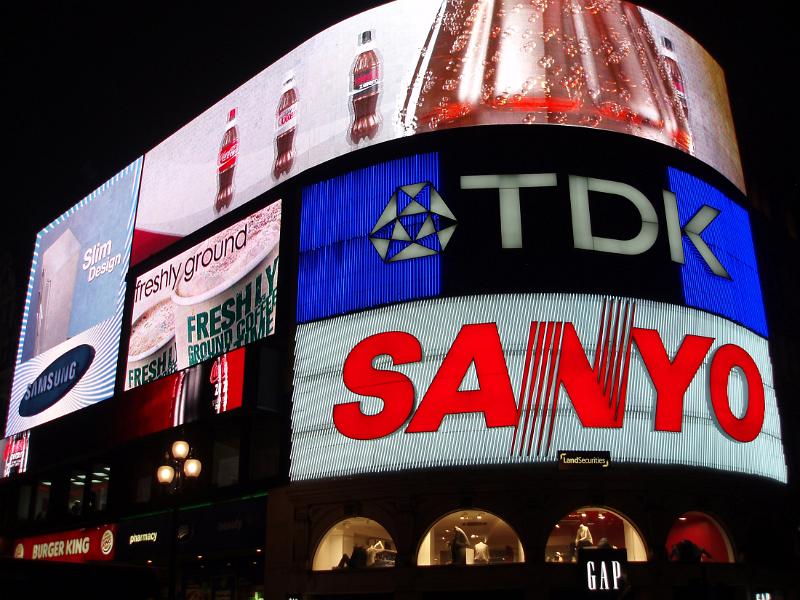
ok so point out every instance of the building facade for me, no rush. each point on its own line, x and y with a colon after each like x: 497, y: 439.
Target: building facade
x: 476, y: 306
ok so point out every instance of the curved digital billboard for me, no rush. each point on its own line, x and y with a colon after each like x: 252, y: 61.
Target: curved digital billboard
x: 414, y: 66
x: 510, y: 379
x: 458, y: 308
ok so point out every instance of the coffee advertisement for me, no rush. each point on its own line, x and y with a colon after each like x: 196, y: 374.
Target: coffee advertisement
x: 217, y: 296
x: 416, y: 66
x: 69, y: 341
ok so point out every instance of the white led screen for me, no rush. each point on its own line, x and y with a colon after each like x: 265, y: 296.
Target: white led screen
x: 69, y: 340
x: 537, y: 364
x: 414, y: 66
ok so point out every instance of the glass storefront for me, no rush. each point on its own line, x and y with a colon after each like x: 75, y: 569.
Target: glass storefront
x: 593, y: 527
x: 470, y: 537
x: 356, y: 542
x: 697, y: 537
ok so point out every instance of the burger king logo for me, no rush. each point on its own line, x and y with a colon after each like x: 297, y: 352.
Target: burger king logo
x: 19, y: 551
x: 107, y: 542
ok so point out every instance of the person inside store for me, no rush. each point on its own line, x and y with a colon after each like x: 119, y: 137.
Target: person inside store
x: 458, y: 546
x: 604, y: 544
x: 482, y: 551
x: 357, y: 559
x: 686, y: 551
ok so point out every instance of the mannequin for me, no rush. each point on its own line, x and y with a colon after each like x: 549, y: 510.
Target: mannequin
x: 584, y: 537
x: 372, y: 552
x: 458, y: 546
x: 482, y: 551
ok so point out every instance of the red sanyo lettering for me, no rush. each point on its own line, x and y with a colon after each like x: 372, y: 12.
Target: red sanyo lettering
x: 479, y: 345
x: 727, y: 358
x: 597, y: 392
x: 671, y: 378
x: 395, y: 389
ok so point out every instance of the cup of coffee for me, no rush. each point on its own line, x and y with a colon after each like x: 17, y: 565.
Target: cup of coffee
x: 225, y: 297
x: 151, y: 350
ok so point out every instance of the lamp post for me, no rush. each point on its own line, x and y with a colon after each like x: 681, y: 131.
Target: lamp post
x: 178, y: 467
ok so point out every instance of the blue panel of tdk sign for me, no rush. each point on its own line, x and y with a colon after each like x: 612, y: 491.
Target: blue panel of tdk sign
x: 372, y: 237
x: 730, y: 238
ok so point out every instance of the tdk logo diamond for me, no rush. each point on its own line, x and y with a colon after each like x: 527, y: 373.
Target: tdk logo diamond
x: 359, y: 230
x: 415, y: 223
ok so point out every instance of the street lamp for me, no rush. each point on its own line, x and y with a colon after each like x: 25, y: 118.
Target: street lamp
x: 178, y: 466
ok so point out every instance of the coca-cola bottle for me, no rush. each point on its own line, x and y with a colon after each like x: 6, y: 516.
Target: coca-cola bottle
x: 593, y: 64
x: 286, y: 127
x: 674, y: 73
x: 219, y: 381
x: 226, y: 164
x: 365, y: 90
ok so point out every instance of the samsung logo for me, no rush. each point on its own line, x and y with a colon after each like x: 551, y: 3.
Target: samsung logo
x: 56, y: 380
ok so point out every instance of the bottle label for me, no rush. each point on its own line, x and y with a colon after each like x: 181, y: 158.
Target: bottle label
x: 287, y: 118
x: 366, y: 78
x: 227, y: 156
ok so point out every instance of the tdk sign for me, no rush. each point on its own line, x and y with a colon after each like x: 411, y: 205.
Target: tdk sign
x: 393, y: 232
x: 579, y: 190
x: 415, y: 223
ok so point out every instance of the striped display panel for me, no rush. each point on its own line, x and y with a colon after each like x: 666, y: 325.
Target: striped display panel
x: 731, y: 240
x: 534, y: 330
x: 340, y: 269
x: 95, y: 318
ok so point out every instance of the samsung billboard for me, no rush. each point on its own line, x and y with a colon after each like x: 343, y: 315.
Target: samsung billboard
x: 68, y: 346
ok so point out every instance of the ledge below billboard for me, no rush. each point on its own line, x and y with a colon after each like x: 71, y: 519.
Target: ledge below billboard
x: 511, y: 379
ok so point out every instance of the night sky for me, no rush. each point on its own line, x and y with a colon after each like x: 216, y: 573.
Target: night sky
x: 89, y: 88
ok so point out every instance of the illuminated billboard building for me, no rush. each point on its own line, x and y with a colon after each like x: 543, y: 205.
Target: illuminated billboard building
x: 474, y: 306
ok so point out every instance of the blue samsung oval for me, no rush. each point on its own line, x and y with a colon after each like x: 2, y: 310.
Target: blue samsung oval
x: 56, y: 380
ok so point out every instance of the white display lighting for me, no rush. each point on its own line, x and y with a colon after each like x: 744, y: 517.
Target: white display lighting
x: 486, y: 380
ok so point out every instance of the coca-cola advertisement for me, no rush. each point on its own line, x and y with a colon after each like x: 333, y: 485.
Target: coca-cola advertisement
x: 217, y: 296
x: 414, y: 66
x: 14, y: 450
x: 194, y: 394
x: 69, y: 339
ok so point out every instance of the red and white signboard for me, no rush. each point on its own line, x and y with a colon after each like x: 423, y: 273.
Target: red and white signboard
x: 78, y: 545
x: 509, y: 379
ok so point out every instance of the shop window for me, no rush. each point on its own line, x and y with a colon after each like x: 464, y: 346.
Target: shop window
x: 77, y: 486
x: 97, y: 496
x: 41, y: 505
x: 355, y: 543
x: 226, y: 461
x: 470, y: 537
x: 593, y: 527
x: 696, y: 537
x: 24, y: 502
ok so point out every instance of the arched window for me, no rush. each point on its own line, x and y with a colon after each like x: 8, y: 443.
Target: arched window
x: 696, y: 537
x: 355, y: 543
x: 593, y: 527
x: 470, y: 537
